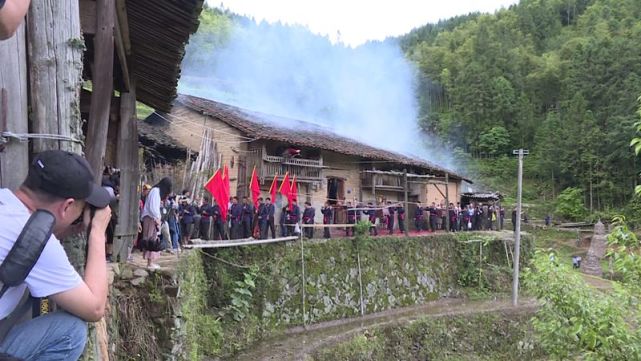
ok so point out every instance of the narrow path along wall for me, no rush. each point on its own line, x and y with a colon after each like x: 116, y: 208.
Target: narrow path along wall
x: 395, y: 272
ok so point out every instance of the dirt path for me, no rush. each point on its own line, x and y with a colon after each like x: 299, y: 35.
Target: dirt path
x: 298, y: 342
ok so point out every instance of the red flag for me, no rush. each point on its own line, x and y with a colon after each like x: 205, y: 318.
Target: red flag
x: 293, y: 194
x: 224, y: 202
x: 215, y: 186
x: 285, y: 187
x: 273, y: 188
x: 214, y: 183
x: 254, y: 187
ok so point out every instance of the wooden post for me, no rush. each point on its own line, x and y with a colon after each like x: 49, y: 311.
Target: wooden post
x: 374, y: 188
x: 405, y: 194
x: 55, y: 72
x: 447, y: 202
x: 14, y: 159
x: 127, y: 161
x: 102, y: 85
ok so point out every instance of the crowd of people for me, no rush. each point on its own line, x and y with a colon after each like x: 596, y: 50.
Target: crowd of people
x: 180, y: 218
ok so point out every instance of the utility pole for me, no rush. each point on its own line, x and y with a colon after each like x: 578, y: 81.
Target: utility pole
x: 517, y: 232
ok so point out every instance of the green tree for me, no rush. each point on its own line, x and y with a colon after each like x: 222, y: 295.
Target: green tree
x: 569, y: 204
x: 495, y: 141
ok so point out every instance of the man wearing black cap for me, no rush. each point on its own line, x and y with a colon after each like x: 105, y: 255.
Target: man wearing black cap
x: 63, y: 184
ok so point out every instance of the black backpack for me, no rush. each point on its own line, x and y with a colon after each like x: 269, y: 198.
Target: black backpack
x: 20, y: 261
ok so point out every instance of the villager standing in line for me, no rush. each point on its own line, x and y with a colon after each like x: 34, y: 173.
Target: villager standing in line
x: 433, y: 215
x: 371, y: 213
x: 418, y: 217
x: 151, y: 220
x: 390, y: 220
x: 327, y: 218
x: 351, y: 219
x: 186, y: 211
x: 235, y: 216
x: 248, y: 215
x: 294, y: 218
x: 261, y: 219
x: 284, y: 220
x: 400, y: 212
x: 308, y: 218
x: 271, y: 211
x: 217, y: 219
x: 453, y: 213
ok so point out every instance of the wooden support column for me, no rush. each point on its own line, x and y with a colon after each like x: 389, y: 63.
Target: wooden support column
x: 102, y: 85
x: 127, y: 161
x: 55, y: 72
x: 14, y: 157
x: 374, y: 188
x: 405, y: 190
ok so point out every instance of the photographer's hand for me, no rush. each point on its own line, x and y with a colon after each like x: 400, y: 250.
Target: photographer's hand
x: 100, y: 220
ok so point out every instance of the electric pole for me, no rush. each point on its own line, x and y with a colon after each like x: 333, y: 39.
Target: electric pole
x: 517, y: 229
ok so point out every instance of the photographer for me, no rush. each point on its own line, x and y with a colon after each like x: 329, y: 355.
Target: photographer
x: 61, y: 183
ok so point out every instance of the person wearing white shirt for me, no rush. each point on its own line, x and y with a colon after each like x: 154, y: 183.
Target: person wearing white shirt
x: 151, y: 221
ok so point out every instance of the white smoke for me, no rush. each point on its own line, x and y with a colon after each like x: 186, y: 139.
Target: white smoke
x: 366, y: 93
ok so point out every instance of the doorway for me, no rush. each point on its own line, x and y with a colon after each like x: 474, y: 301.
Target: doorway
x: 335, y: 190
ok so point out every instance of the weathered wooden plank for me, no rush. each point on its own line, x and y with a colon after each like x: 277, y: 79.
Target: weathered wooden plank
x: 102, y: 85
x: 123, y: 59
x: 88, y: 16
x: 14, y: 160
x: 55, y: 71
x: 127, y: 161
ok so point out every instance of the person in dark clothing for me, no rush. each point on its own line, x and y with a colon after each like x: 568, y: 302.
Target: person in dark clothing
x: 262, y: 219
x: 219, y: 225
x: 351, y: 219
x: 205, y: 220
x: 308, y: 218
x: 478, y: 216
x: 400, y: 211
x: 271, y: 210
x: 256, y: 227
x: 371, y: 215
x: 418, y: 217
x: 294, y: 218
x: 514, y: 220
x: 501, y: 218
x: 247, y: 218
x: 327, y: 218
x: 284, y: 219
x: 433, y: 216
x: 236, y: 216
x: 186, y: 211
x: 453, y: 213
x: 390, y: 222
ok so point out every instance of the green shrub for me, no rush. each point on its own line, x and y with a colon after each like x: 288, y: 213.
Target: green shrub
x: 570, y: 206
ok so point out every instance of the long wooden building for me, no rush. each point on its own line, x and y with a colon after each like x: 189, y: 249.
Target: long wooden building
x: 329, y: 166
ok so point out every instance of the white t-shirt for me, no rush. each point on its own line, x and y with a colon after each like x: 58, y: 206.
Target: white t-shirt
x: 152, y: 204
x: 51, y: 274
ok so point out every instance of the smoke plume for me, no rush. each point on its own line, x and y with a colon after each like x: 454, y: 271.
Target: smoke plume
x: 366, y: 93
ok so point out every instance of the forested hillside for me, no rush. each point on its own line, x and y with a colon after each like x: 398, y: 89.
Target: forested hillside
x: 558, y: 77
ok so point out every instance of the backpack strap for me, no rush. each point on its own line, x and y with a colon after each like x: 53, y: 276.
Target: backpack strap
x: 26, y: 250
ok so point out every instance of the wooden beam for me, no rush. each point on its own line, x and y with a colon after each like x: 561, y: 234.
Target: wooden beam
x: 14, y: 158
x: 123, y: 59
x: 123, y: 22
x: 399, y: 174
x: 127, y: 162
x: 102, y: 85
x: 55, y: 72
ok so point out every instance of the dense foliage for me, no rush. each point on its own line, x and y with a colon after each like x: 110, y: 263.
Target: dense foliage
x: 557, y: 77
x: 561, y: 76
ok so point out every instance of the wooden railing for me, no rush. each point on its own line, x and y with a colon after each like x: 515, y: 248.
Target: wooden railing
x: 383, y: 181
x: 268, y: 166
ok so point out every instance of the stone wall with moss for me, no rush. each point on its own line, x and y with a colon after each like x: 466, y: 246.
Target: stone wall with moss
x: 394, y: 272
x: 495, y: 336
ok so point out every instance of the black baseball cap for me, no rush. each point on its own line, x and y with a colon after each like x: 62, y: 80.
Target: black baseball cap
x: 67, y: 175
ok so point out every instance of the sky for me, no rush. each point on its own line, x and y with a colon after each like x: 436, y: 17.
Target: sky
x: 354, y: 22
